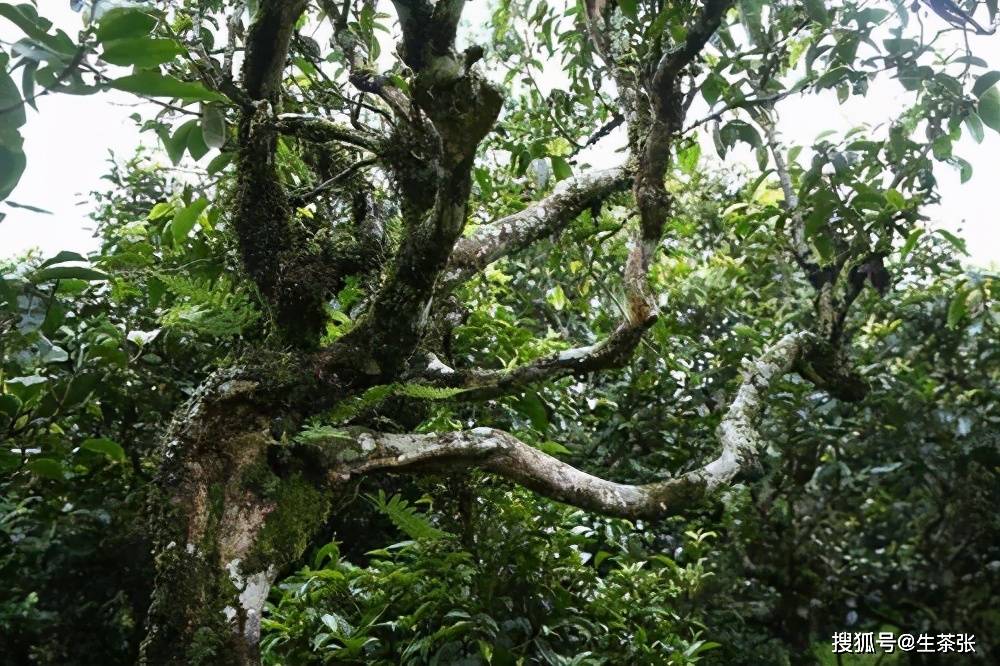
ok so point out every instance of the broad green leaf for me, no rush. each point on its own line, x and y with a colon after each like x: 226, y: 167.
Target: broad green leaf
x: 111, y: 449
x: 824, y: 247
x: 185, y: 220
x: 985, y: 82
x: 25, y: 18
x: 561, y: 168
x: 964, y: 169
x: 141, y: 52
x: 161, y: 209
x: 176, y: 144
x: 124, y: 23
x: 47, y: 467
x: 9, y: 405
x: 213, y: 125
x: 974, y: 124
x: 153, y: 84
x: 688, y: 158
x: 62, y: 258
x: 196, y: 145
x: 11, y: 102
x: 531, y: 406
x: 12, y: 160
x: 989, y: 109
x: 218, y: 163
x: 68, y: 273
x: 556, y: 297
x: 629, y: 8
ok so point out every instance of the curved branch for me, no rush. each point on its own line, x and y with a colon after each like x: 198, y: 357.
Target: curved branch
x: 612, y: 352
x: 364, y: 452
x: 518, y: 231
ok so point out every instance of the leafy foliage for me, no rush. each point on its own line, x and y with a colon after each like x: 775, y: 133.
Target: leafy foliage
x: 877, y: 515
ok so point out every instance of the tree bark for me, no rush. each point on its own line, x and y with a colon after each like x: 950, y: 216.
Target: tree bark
x: 227, y: 516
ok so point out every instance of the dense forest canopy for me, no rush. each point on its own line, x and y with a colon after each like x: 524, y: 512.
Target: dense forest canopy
x: 374, y: 365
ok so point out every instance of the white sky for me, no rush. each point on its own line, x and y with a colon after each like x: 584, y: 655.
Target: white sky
x: 68, y: 140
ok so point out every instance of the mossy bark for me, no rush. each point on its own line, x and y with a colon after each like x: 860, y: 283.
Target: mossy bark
x: 227, y: 517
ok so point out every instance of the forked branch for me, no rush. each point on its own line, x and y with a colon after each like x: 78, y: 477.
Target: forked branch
x: 364, y: 452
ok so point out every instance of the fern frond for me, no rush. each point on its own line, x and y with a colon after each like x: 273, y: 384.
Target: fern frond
x: 406, y: 517
x: 218, y: 308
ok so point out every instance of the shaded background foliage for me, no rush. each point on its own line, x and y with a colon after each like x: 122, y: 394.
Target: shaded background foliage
x: 874, y: 515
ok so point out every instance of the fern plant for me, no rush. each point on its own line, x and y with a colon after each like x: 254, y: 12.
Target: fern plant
x: 214, y: 308
x: 406, y: 517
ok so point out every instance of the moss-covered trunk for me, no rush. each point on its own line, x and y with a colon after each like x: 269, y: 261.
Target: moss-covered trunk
x: 225, y: 522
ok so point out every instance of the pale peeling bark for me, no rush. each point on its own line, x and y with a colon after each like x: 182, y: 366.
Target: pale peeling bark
x: 502, y: 453
x: 520, y: 230
x: 791, y: 199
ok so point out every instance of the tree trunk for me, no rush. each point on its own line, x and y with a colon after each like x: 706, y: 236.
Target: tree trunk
x: 225, y: 522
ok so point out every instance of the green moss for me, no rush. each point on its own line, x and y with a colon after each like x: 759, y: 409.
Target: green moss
x: 300, y: 510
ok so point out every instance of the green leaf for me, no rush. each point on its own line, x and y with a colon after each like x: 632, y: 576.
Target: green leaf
x: 824, y: 247
x: 185, y: 220
x: 196, y: 143
x: 141, y: 52
x: 213, y: 125
x: 989, y: 109
x: 556, y: 297
x: 111, y: 449
x: 62, y: 258
x: 176, y: 145
x: 25, y: 18
x: 10, y: 99
x: 47, y: 467
x: 816, y: 10
x: 561, y: 168
x: 404, y: 516
x: 832, y: 77
x: 123, y: 23
x: 154, y: 84
x: 974, y: 124
x: 957, y: 308
x: 530, y: 405
x: 12, y: 163
x: 161, y: 209
x: 9, y: 405
x: 985, y: 82
x: 956, y: 242
x: 218, y: 163
x: 688, y: 158
x: 68, y: 273
x: 895, y: 199
x: 911, y: 242
x: 964, y: 169
x: 629, y: 8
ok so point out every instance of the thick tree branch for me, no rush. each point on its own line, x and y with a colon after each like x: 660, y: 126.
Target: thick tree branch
x: 364, y: 452
x: 431, y: 155
x: 679, y: 57
x: 321, y: 130
x: 294, y: 281
x: 544, y: 218
x: 267, y: 46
